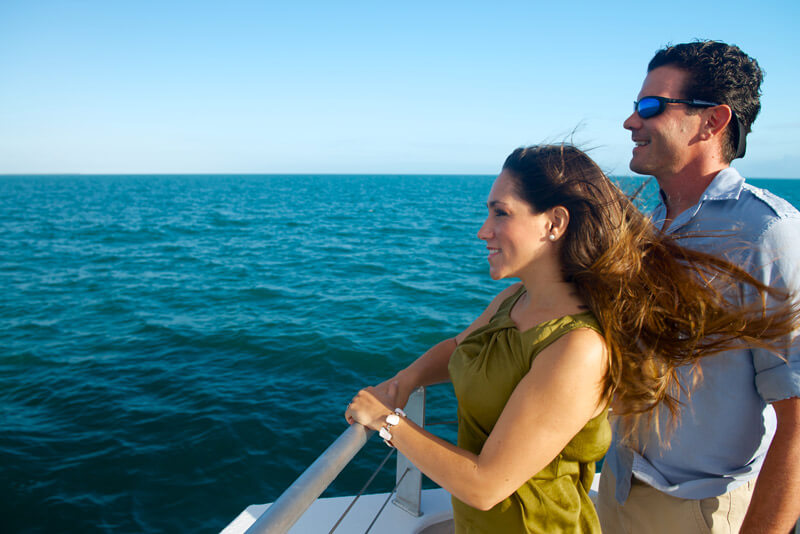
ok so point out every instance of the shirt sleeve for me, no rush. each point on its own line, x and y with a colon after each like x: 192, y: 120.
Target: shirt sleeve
x: 777, y: 263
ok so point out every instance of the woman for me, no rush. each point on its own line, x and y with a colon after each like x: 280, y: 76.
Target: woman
x: 535, y: 372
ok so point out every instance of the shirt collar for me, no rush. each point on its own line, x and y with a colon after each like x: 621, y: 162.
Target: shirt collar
x: 726, y: 185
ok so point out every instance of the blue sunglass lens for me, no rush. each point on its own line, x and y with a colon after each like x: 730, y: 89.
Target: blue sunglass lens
x: 648, y: 107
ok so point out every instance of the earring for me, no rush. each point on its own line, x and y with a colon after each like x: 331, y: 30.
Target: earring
x: 552, y: 237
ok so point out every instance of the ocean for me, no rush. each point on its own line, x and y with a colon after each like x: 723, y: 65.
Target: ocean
x: 176, y: 348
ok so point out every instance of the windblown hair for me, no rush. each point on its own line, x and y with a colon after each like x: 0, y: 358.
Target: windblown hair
x: 718, y: 72
x: 652, y: 297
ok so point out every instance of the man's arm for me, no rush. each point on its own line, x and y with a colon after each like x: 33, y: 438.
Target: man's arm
x: 775, y: 505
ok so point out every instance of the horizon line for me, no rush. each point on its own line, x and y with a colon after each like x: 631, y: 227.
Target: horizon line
x: 184, y: 173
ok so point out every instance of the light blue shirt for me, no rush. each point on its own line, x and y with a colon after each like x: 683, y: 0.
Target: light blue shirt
x: 726, y: 427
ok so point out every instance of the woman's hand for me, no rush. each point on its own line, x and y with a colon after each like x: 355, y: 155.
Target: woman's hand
x: 393, y: 392
x: 370, y: 406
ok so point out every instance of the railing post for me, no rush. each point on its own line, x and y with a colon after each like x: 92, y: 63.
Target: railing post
x: 408, y: 492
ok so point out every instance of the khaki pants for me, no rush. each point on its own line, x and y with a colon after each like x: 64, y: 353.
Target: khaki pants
x: 648, y: 510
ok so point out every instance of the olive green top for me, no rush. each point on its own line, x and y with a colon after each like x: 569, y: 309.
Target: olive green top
x: 485, y: 368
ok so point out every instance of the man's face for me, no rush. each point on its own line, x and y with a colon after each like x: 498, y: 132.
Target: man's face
x: 666, y: 143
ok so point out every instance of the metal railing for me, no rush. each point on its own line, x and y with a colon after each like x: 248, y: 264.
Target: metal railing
x: 298, y: 497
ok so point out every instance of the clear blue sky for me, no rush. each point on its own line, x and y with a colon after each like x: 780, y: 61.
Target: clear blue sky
x: 142, y: 86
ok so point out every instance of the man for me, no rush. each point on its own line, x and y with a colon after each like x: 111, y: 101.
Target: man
x: 733, y: 460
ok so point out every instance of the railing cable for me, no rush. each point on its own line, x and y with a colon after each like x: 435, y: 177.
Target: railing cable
x: 386, y: 501
x: 363, y: 489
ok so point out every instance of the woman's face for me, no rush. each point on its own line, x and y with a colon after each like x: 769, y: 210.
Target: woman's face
x: 515, y: 236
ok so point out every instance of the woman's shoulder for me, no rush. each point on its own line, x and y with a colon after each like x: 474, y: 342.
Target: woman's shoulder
x: 587, y: 320
x: 581, y: 344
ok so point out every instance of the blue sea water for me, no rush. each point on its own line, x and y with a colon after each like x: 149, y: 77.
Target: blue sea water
x: 178, y: 347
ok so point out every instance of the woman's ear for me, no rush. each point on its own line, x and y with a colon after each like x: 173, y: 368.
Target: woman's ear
x: 559, y: 219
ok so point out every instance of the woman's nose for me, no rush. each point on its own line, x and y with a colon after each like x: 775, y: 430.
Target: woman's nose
x: 483, y: 232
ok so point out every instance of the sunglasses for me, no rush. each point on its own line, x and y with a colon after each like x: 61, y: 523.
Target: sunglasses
x: 650, y: 106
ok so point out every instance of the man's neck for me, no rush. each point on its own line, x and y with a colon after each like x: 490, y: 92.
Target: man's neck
x: 684, y: 190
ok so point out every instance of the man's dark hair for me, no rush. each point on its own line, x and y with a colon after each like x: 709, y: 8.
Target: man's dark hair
x: 718, y: 72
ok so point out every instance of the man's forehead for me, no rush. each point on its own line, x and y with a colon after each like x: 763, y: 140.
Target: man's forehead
x: 665, y: 81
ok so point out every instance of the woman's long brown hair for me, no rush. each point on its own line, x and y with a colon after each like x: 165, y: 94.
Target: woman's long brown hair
x: 661, y: 305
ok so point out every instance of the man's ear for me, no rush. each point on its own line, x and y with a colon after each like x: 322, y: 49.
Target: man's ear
x: 716, y: 119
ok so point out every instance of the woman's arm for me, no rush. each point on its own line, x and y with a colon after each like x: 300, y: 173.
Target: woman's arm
x: 551, y: 404
x: 431, y: 367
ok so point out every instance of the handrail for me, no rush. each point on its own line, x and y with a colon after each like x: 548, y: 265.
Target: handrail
x: 291, y: 505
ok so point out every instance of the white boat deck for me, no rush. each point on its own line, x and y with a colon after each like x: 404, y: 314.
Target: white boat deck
x: 323, y: 514
x: 436, y: 518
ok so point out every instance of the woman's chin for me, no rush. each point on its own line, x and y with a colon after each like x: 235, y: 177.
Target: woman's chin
x: 496, y: 274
